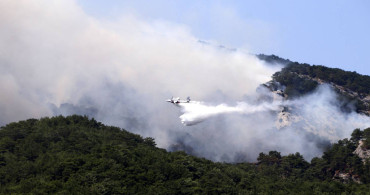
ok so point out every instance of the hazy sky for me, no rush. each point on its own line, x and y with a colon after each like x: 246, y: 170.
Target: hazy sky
x: 333, y: 33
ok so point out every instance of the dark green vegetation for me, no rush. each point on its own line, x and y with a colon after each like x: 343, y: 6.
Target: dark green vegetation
x: 289, y: 76
x: 351, y: 80
x: 300, y: 79
x: 82, y: 156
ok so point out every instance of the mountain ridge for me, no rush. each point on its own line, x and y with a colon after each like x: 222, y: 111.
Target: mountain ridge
x: 301, y: 78
x: 75, y: 154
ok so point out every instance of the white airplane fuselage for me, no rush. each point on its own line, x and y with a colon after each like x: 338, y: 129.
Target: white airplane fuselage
x: 178, y: 101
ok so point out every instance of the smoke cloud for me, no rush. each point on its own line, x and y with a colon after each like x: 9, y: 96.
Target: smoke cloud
x: 55, y: 59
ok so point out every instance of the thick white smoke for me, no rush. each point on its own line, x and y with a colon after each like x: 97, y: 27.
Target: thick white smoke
x: 237, y: 133
x: 56, y: 59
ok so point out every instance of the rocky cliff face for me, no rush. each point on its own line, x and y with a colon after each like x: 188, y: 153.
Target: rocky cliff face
x: 362, y: 152
x: 363, y: 98
x: 302, y: 78
x: 346, y: 177
x: 289, y: 117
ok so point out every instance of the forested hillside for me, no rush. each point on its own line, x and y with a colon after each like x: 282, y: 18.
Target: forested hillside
x: 301, y: 78
x: 75, y: 154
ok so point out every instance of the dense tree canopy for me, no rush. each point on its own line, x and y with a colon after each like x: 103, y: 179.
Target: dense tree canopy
x: 300, y: 79
x: 288, y: 75
x: 75, y: 154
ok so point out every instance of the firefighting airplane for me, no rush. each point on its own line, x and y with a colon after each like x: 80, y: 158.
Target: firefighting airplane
x: 177, y: 100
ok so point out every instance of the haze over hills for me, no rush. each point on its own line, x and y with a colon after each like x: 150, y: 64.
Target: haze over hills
x: 75, y: 154
x: 120, y: 72
x: 315, y: 104
x: 305, y: 108
x: 309, y: 114
x: 284, y: 127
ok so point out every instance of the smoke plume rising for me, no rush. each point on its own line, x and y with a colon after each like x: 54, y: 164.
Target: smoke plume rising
x: 55, y: 59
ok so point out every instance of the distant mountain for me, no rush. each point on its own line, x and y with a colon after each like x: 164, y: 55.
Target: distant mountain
x: 77, y: 155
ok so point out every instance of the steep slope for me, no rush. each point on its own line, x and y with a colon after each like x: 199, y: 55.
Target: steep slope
x: 79, y: 155
x: 298, y: 79
x: 339, y: 94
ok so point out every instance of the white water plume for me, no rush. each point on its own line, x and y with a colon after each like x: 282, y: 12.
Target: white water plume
x: 196, y: 112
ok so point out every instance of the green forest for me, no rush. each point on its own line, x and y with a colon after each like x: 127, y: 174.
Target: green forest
x: 288, y: 76
x: 299, y: 79
x: 78, y: 155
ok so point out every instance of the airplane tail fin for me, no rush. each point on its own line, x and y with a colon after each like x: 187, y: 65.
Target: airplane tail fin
x: 188, y: 99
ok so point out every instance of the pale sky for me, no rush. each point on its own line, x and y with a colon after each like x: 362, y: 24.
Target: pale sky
x: 333, y: 33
